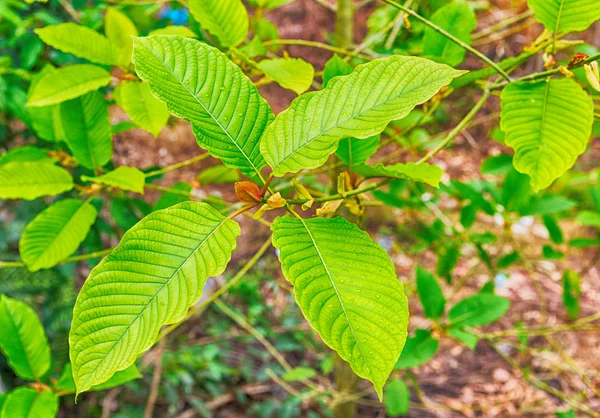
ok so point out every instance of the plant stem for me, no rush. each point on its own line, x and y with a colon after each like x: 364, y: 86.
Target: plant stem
x: 344, y: 23
x: 314, y: 44
x: 177, y: 166
x: 155, y: 380
x: 97, y: 254
x: 451, y: 37
x: 458, y: 129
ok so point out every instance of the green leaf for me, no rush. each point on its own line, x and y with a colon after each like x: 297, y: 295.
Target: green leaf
x: 418, y: 350
x: 508, y: 260
x: 27, y: 153
x: 125, y: 178
x: 430, y: 293
x: 218, y: 174
x: 588, y: 218
x: 357, y: 151
x: 56, y: 233
x: 550, y: 253
x: 335, y: 67
x: 67, y: 83
x: 548, y: 124
x: 565, y: 15
x: 23, y: 340
x: 554, y: 230
x: 20, y: 282
x: 465, y: 337
x: 200, y: 84
x: 547, y: 205
x: 347, y: 288
x: 170, y: 199
x: 477, y: 310
x: 225, y: 19
x: 426, y: 173
x: 32, y: 179
x: 498, y: 164
x: 358, y: 105
x: 291, y: 73
x: 150, y: 280
x: 80, y: 41
x: 141, y: 106
x: 571, y: 282
x: 397, y: 398
x: 120, y: 30
x: 299, y: 373
x: 66, y: 383
x: 25, y: 402
x: 44, y: 120
x: 86, y: 129
x: 174, y: 30
x: 457, y: 18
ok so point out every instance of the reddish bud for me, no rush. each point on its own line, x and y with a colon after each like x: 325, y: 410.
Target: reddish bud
x: 247, y: 192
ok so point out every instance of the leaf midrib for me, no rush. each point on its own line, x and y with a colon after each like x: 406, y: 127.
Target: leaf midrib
x: 167, y: 282
x: 310, y: 140
x: 338, y: 296
x: 208, y: 112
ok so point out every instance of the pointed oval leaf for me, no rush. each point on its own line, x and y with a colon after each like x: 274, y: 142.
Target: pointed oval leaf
x: 32, y: 179
x: 67, y: 83
x: 56, y: 233
x: 26, y: 402
x: 430, y: 293
x: 26, y: 153
x: 86, y: 129
x: 565, y: 15
x: 125, y: 178
x: 348, y: 290
x: 80, y: 41
x: 357, y: 151
x: 291, y: 73
x: 66, y: 383
x: 359, y: 105
x: 426, y: 173
x: 200, y: 84
x: 457, y: 18
x: 477, y: 310
x: 142, y: 107
x: 151, y: 279
x: 225, y: 19
x: 548, y: 124
x: 397, y: 398
x: 335, y: 67
x: 23, y: 340
x: 120, y: 30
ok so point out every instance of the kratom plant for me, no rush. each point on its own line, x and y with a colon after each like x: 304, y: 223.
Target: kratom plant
x: 344, y: 283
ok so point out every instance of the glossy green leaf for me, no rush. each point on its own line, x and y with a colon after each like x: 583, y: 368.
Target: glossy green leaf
x: 151, y: 279
x: 418, y: 350
x: 548, y: 124
x: 291, y: 73
x: 456, y: 18
x: 26, y: 402
x: 357, y: 151
x: 335, y: 67
x: 426, y: 173
x: 565, y: 15
x: 347, y: 288
x: 80, y: 41
x: 23, y: 340
x: 120, y: 30
x: 571, y: 282
x: 200, y: 84
x: 67, y: 83
x: 125, y: 178
x: 32, y: 179
x: 56, y: 233
x: 66, y: 383
x: 225, y: 19
x: 397, y: 398
x: 430, y: 293
x: 358, y: 105
x: 141, y: 106
x: 44, y: 120
x: 26, y: 153
x: 86, y: 129
x: 477, y: 310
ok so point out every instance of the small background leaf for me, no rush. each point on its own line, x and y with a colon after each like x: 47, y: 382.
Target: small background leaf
x: 125, y: 178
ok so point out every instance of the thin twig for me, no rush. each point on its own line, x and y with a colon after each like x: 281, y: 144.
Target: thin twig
x: 177, y: 166
x: 160, y: 349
